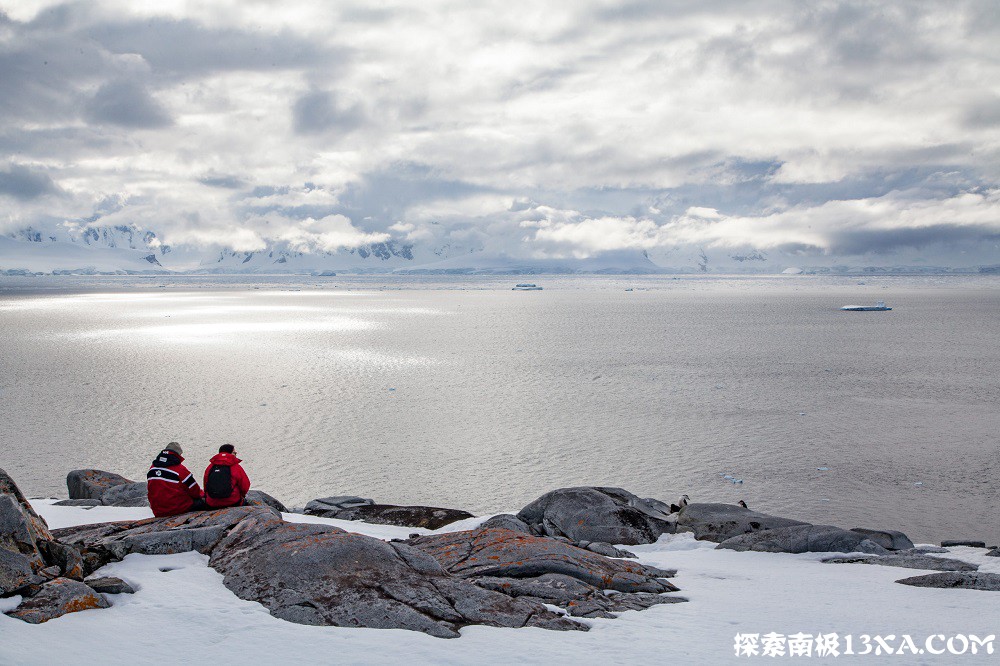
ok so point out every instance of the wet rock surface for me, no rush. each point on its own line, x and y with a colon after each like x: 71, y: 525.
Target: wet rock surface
x: 989, y: 582
x: 718, y: 522
x: 804, y: 539
x: 603, y: 514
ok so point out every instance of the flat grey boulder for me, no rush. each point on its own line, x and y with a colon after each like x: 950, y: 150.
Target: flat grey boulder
x: 57, y: 598
x: 126, y: 494
x: 260, y: 498
x: 320, y: 507
x: 989, y: 582
x: 888, y: 539
x: 804, y: 539
x: 926, y: 562
x: 322, y: 575
x: 588, y: 513
x: 92, y: 483
x: 109, y: 585
x: 972, y: 543
x: 994, y: 553
x: 508, y: 554
x: 718, y: 522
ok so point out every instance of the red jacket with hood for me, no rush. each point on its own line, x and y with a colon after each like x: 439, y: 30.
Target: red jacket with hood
x: 170, y: 486
x: 239, y: 479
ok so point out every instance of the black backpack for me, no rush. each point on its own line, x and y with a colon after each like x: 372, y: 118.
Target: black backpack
x: 220, y: 482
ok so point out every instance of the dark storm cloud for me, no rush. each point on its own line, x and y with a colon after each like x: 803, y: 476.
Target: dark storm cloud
x: 884, y: 241
x: 319, y: 111
x: 127, y: 104
x: 23, y: 183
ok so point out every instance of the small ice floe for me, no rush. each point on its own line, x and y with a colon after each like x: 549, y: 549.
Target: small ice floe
x: 919, y: 483
x: 823, y: 499
x: 802, y: 413
x: 822, y: 469
x: 392, y: 389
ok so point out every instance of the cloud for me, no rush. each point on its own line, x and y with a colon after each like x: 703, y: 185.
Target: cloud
x: 860, y: 227
x: 127, y: 104
x: 23, y: 183
x: 834, y: 127
x: 319, y: 110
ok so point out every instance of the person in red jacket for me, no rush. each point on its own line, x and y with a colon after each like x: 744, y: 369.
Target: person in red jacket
x: 226, y: 484
x: 171, y: 488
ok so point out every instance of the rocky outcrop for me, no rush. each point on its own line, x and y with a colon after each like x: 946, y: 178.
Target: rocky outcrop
x: 888, y: 539
x: 57, y: 598
x: 995, y: 552
x: 578, y: 598
x: 21, y: 529
x: 989, y: 582
x: 126, y: 494
x: 907, y: 561
x: 321, y: 575
x: 427, y: 517
x: 109, y: 585
x: 549, y: 570
x: 506, y: 521
x: 804, y: 539
x: 972, y: 543
x: 609, y: 515
x: 349, y: 507
x: 201, y: 531
x: 718, y: 522
x: 508, y: 554
x: 334, y: 504
x: 16, y: 574
x: 260, y: 498
x: 92, y: 483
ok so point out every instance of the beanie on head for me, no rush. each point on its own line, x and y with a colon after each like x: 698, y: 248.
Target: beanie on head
x: 175, y: 447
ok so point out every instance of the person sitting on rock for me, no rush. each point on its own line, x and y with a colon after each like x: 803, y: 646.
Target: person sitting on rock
x: 171, y: 488
x: 226, y: 484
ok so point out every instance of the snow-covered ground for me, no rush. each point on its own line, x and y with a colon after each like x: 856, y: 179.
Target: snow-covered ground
x: 182, y: 613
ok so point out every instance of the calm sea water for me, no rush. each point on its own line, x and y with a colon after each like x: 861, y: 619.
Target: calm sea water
x: 460, y: 392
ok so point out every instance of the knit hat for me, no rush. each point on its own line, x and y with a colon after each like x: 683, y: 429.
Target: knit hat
x: 175, y: 447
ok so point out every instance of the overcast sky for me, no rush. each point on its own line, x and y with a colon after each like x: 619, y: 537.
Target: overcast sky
x: 534, y: 128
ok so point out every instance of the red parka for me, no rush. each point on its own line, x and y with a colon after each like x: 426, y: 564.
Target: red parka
x: 239, y: 479
x: 170, y: 486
